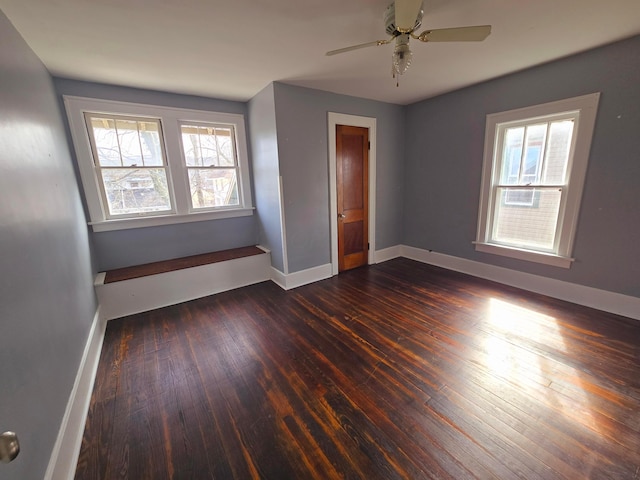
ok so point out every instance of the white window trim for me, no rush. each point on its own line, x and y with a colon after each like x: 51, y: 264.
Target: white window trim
x: 170, y: 118
x: 587, y: 106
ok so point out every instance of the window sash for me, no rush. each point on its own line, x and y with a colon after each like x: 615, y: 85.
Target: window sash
x: 519, y: 242
x: 199, y: 131
x: 203, y: 191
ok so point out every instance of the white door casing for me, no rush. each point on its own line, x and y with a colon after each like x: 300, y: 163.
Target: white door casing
x: 356, y: 121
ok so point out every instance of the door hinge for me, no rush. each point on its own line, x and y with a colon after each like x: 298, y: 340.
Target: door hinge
x: 368, y: 246
x: 369, y: 145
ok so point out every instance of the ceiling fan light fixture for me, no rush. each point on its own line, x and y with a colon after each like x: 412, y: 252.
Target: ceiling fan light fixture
x: 401, y: 58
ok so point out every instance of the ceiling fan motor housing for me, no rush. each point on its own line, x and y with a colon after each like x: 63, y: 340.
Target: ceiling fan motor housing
x: 390, y: 20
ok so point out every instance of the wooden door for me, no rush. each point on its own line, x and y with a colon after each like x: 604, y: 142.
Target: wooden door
x: 352, y: 169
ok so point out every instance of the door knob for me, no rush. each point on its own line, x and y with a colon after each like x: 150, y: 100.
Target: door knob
x: 9, y: 447
x: 341, y: 215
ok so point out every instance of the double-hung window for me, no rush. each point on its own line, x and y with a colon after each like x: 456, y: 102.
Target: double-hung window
x: 143, y: 165
x: 534, y: 169
x: 211, y: 162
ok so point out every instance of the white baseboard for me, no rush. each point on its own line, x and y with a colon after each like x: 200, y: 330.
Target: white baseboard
x: 64, y: 457
x: 303, y: 277
x: 388, y: 253
x: 279, y: 278
x: 119, y: 299
x: 611, y: 302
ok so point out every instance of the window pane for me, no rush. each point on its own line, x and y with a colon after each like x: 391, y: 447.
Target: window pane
x: 555, y: 169
x: 512, y: 155
x: 191, y: 145
x: 522, y: 224
x: 136, y: 190
x: 149, y: 133
x: 208, y: 146
x: 519, y: 196
x: 129, y: 143
x: 106, y: 140
x: 533, y: 155
x: 213, y: 187
x: 226, y: 155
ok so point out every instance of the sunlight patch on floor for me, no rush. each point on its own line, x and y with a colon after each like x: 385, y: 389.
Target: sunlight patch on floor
x: 520, y: 347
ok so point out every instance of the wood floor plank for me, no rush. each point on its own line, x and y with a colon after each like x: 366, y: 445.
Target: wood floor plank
x: 398, y: 370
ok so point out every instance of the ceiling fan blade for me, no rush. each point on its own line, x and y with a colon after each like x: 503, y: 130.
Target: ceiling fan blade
x: 406, y: 12
x: 357, y: 47
x: 458, y: 34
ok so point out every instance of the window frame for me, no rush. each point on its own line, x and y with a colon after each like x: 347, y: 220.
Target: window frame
x: 584, y: 108
x: 178, y: 182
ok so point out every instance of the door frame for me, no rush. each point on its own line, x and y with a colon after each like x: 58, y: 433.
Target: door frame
x: 354, y: 121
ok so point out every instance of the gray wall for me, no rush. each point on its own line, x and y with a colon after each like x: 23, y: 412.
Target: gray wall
x: 301, y: 118
x: 445, y: 138
x: 46, y: 286
x: 123, y: 248
x: 288, y: 136
x: 266, y: 173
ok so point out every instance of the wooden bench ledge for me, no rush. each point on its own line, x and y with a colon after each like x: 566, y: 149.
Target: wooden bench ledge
x: 154, y: 268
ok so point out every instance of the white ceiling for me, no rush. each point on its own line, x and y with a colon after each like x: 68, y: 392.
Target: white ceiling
x: 233, y: 49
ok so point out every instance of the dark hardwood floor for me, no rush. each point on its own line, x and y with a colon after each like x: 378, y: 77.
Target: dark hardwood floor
x: 399, y: 370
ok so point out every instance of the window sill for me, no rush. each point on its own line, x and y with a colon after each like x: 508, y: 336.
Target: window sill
x: 157, y: 220
x: 527, y: 255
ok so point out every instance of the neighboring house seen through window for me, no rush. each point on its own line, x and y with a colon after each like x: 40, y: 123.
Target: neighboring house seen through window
x: 534, y: 168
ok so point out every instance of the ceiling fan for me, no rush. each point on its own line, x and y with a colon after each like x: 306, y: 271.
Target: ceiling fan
x: 402, y: 18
